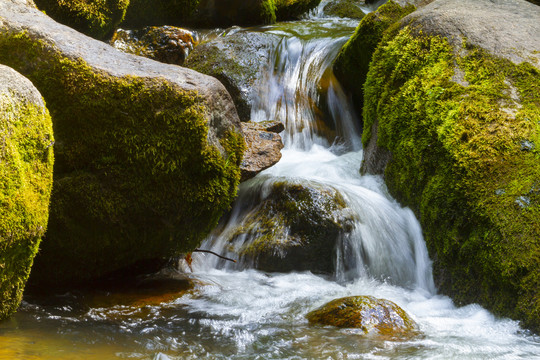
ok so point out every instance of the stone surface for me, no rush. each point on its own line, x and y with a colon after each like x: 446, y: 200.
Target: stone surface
x: 26, y: 166
x: 293, y: 227
x: 263, y: 147
x: 373, y: 316
x: 168, y: 44
x: 345, y: 9
x: 147, y: 154
x: 237, y: 60
x: 450, y: 98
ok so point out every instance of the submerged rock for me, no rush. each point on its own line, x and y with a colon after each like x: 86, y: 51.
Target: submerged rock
x: 93, y: 18
x: 147, y: 154
x: 263, y: 147
x: 237, y: 60
x: 295, y: 227
x: 450, y: 99
x: 26, y: 170
x: 167, y: 44
x: 373, y: 316
x: 345, y: 9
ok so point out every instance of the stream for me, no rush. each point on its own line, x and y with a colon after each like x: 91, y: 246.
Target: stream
x: 234, y: 311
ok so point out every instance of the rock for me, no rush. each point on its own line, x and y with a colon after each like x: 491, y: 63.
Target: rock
x: 147, y: 154
x: 371, y: 315
x: 212, y: 13
x: 352, y: 63
x: 449, y: 103
x: 294, y: 227
x: 167, y: 44
x: 91, y: 17
x: 26, y: 170
x: 237, y: 60
x: 263, y: 147
x: 345, y: 9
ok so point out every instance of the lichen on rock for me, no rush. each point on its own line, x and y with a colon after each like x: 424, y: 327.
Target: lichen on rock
x: 26, y: 166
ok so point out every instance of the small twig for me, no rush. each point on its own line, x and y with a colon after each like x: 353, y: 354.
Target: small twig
x: 213, y: 253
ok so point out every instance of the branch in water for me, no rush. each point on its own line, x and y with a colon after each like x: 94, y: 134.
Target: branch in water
x: 213, y: 253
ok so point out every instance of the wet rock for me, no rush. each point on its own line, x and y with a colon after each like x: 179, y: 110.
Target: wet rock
x: 93, y: 18
x: 167, y: 44
x: 293, y: 9
x: 147, y: 154
x: 485, y: 242
x: 295, y: 227
x: 263, y: 147
x: 26, y: 165
x: 345, y: 9
x: 237, y: 59
x: 373, y: 316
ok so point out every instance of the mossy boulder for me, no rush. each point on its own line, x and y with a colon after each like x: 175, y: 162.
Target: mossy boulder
x: 345, y: 9
x: 168, y: 44
x: 373, y: 316
x: 237, y: 59
x: 293, y: 9
x: 95, y: 18
x: 26, y: 171
x: 147, y: 154
x: 352, y: 63
x: 294, y: 227
x: 452, y: 119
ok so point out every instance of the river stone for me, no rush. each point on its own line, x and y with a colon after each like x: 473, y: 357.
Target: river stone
x: 263, y: 147
x: 26, y: 171
x: 147, y: 154
x: 237, y: 59
x: 450, y: 98
x: 345, y: 9
x: 168, y: 44
x: 294, y: 227
x: 94, y: 18
x: 371, y: 315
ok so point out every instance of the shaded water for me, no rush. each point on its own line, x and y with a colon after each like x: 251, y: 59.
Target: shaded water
x: 236, y: 312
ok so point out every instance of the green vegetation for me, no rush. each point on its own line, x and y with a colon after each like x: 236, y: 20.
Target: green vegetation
x: 26, y: 165
x: 352, y: 63
x: 96, y: 18
x: 135, y: 177
x: 292, y: 9
x: 464, y: 133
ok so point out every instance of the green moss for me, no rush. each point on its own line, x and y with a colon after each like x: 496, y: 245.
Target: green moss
x: 26, y: 161
x: 96, y: 18
x: 142, y: 13
x: 135, y: 176
x: 352, y: 63
x: 458, y: 160
x: 293, y: 9
x: 345, y: 9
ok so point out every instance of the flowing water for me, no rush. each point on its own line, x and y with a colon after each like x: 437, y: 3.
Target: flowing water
x: 236, y: 312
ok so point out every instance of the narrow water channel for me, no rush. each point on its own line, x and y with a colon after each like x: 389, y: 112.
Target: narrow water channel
x: 237, y: 312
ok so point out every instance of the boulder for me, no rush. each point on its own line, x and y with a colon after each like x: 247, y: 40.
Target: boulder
x: 452, y: 120
x: 147, y: 154
x: 96, y: 18
x: 345, y: 9
x: 212, y: 13
x: 26, y: 170
x: 168, y: 44
x: 352, y: 63
x: 263, y: 147
x: 372, y: 315
x: 294, y: 227
x: 237, y: 60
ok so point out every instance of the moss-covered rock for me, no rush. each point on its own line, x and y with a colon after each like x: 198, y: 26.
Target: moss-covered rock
x: 237, y: 60
x: 26, y: 166
x: 293, y: 9
x: 456, y: 104
x: 96, y: 18
x: 352, y: 63
x: 374, y: 316
x: 345, y: 9
x: 294, y: 227
x: 168, y: 44
x: 147, y: 154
